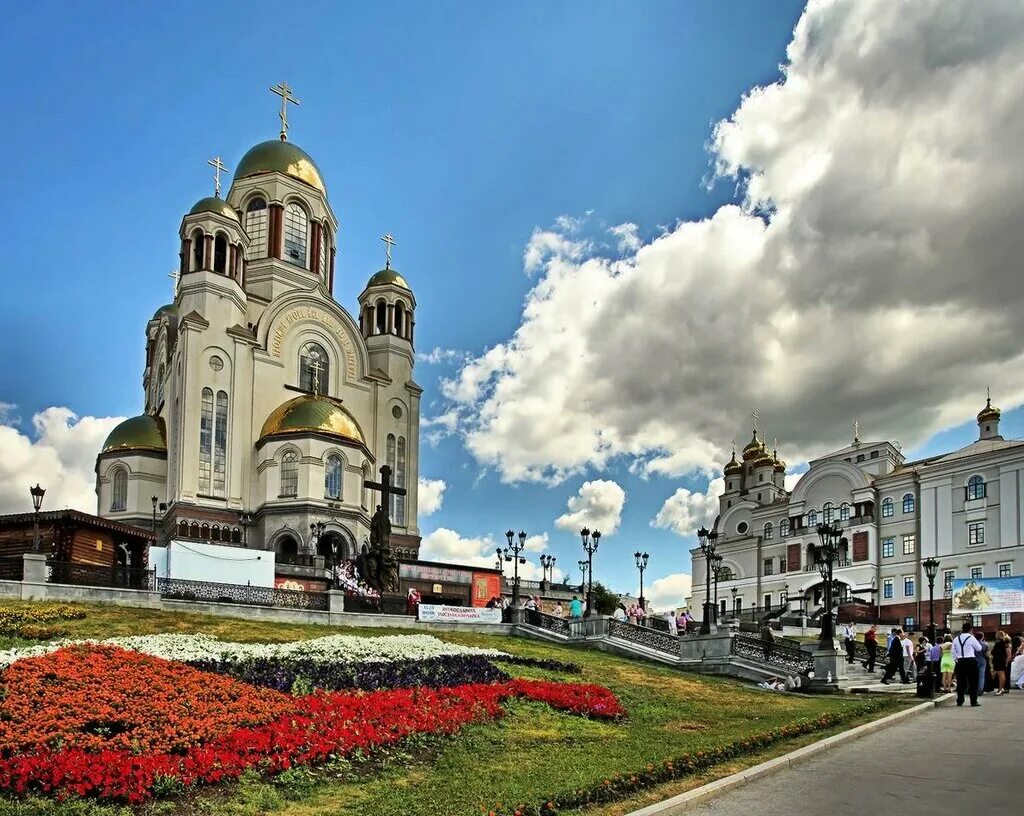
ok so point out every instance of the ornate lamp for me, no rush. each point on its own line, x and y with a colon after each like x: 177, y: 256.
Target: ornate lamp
x: 708, y: 539
x: 37, y: 503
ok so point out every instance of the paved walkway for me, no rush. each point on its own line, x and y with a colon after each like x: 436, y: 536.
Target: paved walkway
x: 948, y: 762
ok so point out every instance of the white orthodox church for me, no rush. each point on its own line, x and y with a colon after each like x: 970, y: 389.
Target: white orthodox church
x: 268, y: 404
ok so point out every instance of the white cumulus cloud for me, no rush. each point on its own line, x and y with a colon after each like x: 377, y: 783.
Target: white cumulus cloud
x: 598, y: 505
x: 430, y: 493
x: 686, y: 510
x: 870, y: 269
x: 450, y: 547
x: 60, y: 456
x: 669, y: 592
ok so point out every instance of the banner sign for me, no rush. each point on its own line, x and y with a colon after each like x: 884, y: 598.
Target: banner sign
x: 988, y: 596
x: 458, y: 614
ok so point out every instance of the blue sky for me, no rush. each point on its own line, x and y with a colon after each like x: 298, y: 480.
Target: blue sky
x: 458, y: 127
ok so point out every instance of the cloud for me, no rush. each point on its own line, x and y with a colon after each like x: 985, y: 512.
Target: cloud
x: 669, y: 592
x: 439, y: 355
x: 870, y: 269
x: 537, y: 543
x: 598, y: 505
x: 448, y: 546
x: 685, y: 510
x: 430, y: 493
x: 61, y: 457
x: 628, y: 236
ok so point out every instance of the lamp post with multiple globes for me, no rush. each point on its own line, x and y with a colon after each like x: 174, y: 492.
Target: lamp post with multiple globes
x: 590, y: 542
x: 641, y: 565
x: 37, y: 493
x: 708, y: 539
x: 512, y: 553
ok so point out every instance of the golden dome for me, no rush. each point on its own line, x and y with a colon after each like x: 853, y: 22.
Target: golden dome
x: 215, y: 205
x: 763, y: 459
x: 780, y: 466
x: 989, y: 412
x: 732, y: 467
x: 168, y: 309
x: 753, y: 449
x: 312, y: 413
x: 138, y: 433
x: 277, y: 156
x: 388, y: 275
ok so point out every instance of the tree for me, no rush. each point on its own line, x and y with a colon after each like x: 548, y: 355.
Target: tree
x: 605, y: 600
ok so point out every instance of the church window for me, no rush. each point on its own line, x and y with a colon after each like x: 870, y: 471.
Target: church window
x: 119, y: 493
x: 160, y: 384
x: 236, y: 535
x: 215, y: 533
x: 887, y: 508
x: 812, y: 518
x: 325, y: 250
x: 289, y: 475
x: 206, y: 441
x: 220, y: 254
x: 193, y: 531
x: 256, y: 228
x: 975, y: 488
x: 381, y: 323
x: 392, y: 453
x: 399, y: 318
x: 287, y: 545
x: 296, y: 227
x: 844, y: 512
x: 400, y: 482
x: 826, y: 512
x: 332, y: 478
x: 182, y: 529
x: 784, y: 528
x: 768, y: 529
x: 396, y: 412
x: 216, y: 363
x: 204, y: 532
x: 198, y: 249
x: 314, y: 368
x: 213, y: 443
x: 908, y: 503
x: 220, y: 445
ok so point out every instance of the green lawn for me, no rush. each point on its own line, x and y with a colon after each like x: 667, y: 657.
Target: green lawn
x: 530, y: 754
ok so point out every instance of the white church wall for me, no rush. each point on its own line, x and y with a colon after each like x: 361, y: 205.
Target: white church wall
x: 199, y: 561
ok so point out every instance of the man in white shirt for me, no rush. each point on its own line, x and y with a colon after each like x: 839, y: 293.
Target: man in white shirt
x: 965, y: 651
x: 849, y: 641
x: 670, y: 619
x: 908, y: 655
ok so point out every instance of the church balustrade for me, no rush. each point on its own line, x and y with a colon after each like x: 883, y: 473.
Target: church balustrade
x: 776, y: 654
x: 644, y: 636
x: 184, y: 590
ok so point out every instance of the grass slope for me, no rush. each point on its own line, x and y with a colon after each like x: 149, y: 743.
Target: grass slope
x: 531, y: 753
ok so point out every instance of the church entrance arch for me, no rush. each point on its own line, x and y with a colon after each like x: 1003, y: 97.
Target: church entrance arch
x: 286, y: 546
x: 334, y: 548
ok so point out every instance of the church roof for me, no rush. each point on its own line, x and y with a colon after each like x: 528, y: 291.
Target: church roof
x: 138, y: 433
x: 312, y: 413
x: 215, y: 205
x: 277, y: 156
x: 388, y: 275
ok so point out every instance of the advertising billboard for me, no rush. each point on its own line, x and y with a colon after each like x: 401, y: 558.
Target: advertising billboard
x: 988, y: 596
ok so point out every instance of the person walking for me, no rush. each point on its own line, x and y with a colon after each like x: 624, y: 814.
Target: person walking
x: 670, y: 619
x: 1000, y: 662
x: 575, y: 608
x: 767, y: 640
x: 849, y: 641
x: 965, y: 651
x: 908, y: 655
x: 895, y: 664
x: 619, y: 613
x: 681, y: 623
x: 558, y: 611
x: 982, y: 659
x: 947, y: 665
x: 871, y: 644
x: 935, y: 663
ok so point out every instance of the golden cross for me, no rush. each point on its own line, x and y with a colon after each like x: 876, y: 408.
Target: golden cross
x: 315, y: 368
x: 390, y: 242
x: 217, y: 166
x: 283, y: 91
x: 753, y: 418
x: 856, y: 431
x: 175, y: 276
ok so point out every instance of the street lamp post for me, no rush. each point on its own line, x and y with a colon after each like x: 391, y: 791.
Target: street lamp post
x: 826, y: 555
x: 154, y: 500
x: 246, y: 521
x: 931, y: 569
x: 512, y: 553
x: 583, y: 571
x: 708, y: 539
x: 37, y: 502
x: 590, y: 542
x: 547, y: 564
x: 734, y: 590
x: 641, y: 564
x: 717, y: 575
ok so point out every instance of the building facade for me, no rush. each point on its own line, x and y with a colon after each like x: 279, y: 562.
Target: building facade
x: 267, y: 403
x: 964, y: 508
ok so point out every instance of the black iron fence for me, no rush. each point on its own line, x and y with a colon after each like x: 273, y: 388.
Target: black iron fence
x: 644, y: 636
x: 95, y: 575
x: 375, y: 606
x: 12, y: 568
x: 180, y: 589
x: 552, y: 623
x: 775, y: 653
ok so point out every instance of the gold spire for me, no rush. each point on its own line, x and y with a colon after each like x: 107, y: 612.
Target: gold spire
x: 283, y: 91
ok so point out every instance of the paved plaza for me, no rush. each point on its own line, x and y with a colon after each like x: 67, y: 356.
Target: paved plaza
x: 945, y: 762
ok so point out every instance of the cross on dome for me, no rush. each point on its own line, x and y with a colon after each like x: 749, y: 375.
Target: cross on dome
x: 856, y: 432
x: 389, y: 240
x: 217, y: 166
x: 175, y: 276
x: 285, y: 92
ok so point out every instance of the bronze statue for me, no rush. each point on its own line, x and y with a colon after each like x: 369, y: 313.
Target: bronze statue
x: 377, y: 563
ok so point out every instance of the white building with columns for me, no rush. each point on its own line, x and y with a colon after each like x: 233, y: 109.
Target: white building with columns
x: 964, y: 508
x: 267, y: 403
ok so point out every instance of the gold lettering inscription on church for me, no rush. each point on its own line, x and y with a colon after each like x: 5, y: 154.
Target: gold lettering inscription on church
x: 304, y: 314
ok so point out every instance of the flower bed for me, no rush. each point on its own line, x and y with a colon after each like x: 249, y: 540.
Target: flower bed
x: 37, y: 623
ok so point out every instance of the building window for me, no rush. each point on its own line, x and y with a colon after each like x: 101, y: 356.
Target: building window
x: 909, y: 623
x: 887, y: 508
x: 888, y: 547
x: 784, y: 528
x: 908, y: 586
x: 782, y: 563
x: 977, y: 572
x: 296, y: 228
x: 909, y: 544
x: 887, y: 587
x: 332, y: 478
x: 1005, y: 571
x: 399, y: 319
x: 256, y: 228
x: 844, y: 512
x: 1004, y: 619
x: 976, y: 532
x: 769, y: 565
x: 198, y: 250
x: 741, y: 528
x: 767, y: 600
x: 768, y: 531
x: 220, y: 445
x: 812, y: 518
x: 874, y: 454
x: 119, y: 491
x: 827, y: 512
x: 206, y: 441
x: 314, y: 368
x: 975, y: 488
x: 289, y: 475
x: 908, y: 503
x: 860, y: 457
x: 220, y: 253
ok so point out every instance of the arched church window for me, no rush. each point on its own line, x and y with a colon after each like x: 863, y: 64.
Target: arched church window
x: 768, y: 531
x: 287, y: 545
x: 812, y: 518
x: 844, y: 512
x: 213, y: 442
x: 182, y: 529
x: 325, y: 251
x: 289, y: 475
x: 784, y: 528
x: 975, y: 488
x: 908, y: 503
x: 314, y: 368
x: 332, y: 478
x: 220, y: 445
x: 887, y: 508
x: 826, y: 512
x: 119, y: 490
x: 400, y: 482
x: 399, y: 318
x: 193, y: 531
x: 236, y: 535
x: 391, y: 453
x: 198, y: 249
x: 296, y: 229
x: 381, y: 321
x: 256, y: 228
x: 204, y: 532
x: 220, y: 253
x: 215, y: 533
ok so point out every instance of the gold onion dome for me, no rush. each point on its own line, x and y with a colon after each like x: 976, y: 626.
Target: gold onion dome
x: 764, y: 459
x: 213, y: 204
x: 388, y: 275
x: 312, y: 413
x: 732, y: 467
x: 138, y: 433
x: 753, y: 449
x: 780, y: 466
x: 277, y: 156
x: 989, y: 412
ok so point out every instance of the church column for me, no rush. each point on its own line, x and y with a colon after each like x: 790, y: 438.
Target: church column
x: 314, y: 246
x: 276, y: 226
x: 412, y: 326
x: 233, y: 263
x: 330, y: 273
x: 186, y: 253
x: 208, y: 252
x: 391, y: 318
x: 408, y: 325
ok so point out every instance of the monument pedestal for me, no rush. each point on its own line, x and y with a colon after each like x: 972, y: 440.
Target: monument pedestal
x: 828, y: 662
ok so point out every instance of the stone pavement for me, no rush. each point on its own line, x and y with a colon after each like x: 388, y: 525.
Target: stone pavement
x: 947, y: 762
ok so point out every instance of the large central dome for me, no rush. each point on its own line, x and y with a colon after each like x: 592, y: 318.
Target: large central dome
x: 312, y: 413
x: 276, y: 156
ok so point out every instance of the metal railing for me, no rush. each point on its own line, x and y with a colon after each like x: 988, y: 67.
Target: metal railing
x: 782, y: 655
x: 94, y: 575
x: 180, y: 589
x: 644, y: 636
x: 299, y: 560
x: 552, y: 623
x: 12, y: 568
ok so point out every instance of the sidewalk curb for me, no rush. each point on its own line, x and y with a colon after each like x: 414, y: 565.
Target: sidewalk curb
x: 779, y: 763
